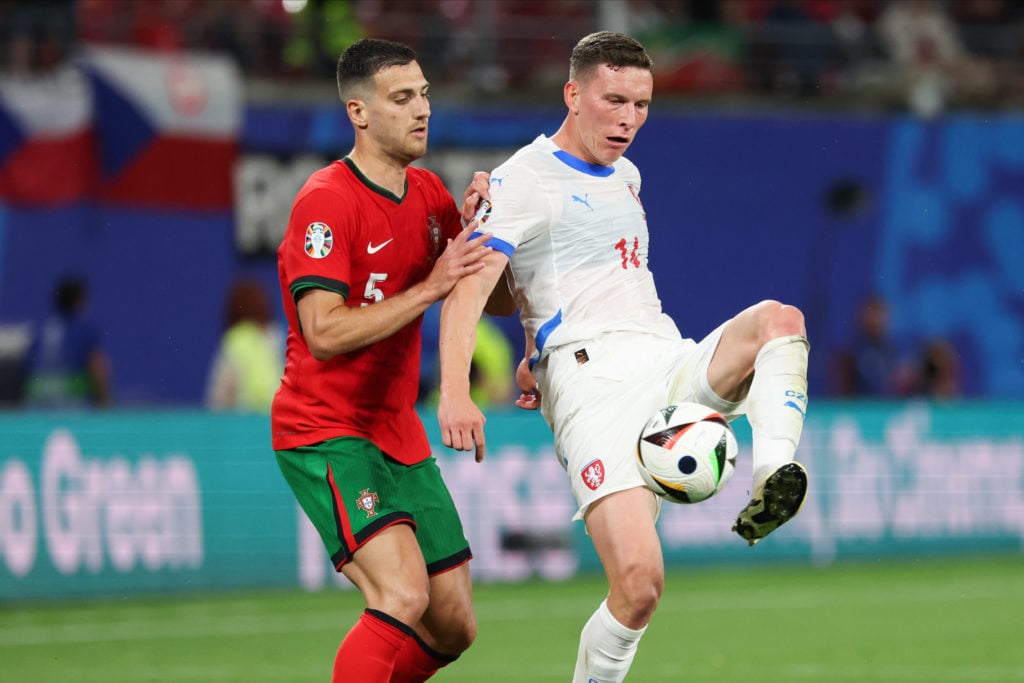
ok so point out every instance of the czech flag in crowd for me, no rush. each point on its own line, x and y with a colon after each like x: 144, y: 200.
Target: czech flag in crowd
x: 124, y: 127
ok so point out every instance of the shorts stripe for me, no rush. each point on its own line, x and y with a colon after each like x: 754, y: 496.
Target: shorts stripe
x: 448, y: 563
x: 345, y: 537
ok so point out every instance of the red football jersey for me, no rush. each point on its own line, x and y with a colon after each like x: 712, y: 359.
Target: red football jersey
x: 350, y: 236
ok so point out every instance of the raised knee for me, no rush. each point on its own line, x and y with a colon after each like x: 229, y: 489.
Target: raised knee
x: 780, y: 320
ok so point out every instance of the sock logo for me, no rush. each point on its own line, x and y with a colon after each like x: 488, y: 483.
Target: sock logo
x: 802, y: 398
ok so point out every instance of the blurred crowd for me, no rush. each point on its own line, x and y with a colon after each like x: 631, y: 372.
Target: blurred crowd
x: 926, y: 55
x: 923, y: 55
x: 872, y: 365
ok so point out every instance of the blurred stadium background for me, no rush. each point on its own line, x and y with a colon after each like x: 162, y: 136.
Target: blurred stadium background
x: 822, y: 152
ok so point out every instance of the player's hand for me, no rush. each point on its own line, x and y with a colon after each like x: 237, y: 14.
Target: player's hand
x: 462, y: 424
x: 479, y: 189
x: 462, y: 257
x: 529, y: 399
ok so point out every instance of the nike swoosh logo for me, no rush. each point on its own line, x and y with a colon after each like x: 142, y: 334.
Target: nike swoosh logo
x: 370, y: 249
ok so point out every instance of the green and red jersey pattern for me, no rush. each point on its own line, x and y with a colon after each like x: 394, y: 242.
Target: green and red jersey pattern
x: 350, y: 236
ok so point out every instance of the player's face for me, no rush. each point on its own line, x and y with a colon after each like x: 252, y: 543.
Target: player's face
x: 610, y: 105
x: 398, y: 112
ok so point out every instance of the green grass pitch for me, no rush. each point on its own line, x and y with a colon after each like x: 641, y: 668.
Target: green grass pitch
x: 934, y: 620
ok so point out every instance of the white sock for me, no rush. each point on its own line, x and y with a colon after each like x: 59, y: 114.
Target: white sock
x: 777, y: 403
x: 607, y: 649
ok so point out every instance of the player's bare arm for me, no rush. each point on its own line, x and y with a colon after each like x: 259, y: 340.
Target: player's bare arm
x: 501, y: 301
x: 331, y: 328
x: 461, y: 422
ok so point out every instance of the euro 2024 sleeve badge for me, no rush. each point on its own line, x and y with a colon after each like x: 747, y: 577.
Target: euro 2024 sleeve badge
x: 319, y: 240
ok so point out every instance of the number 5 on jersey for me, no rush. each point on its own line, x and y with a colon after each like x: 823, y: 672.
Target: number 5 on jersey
x: 372, y: 293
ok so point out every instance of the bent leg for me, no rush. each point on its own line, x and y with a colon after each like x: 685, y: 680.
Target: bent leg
x: 763, y: 355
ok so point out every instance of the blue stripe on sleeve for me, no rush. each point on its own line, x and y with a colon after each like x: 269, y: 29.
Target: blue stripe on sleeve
x: 497, y: 245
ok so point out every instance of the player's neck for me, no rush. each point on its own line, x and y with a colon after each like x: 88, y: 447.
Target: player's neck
x: 563, y: 138
x: 567, y: 140
x: 384, y: 172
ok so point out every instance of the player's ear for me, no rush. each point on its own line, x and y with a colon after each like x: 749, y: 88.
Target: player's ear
x: 356, y: 110
x: 571, y: 93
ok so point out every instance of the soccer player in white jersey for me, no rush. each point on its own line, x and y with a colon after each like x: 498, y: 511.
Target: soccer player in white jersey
x: 568, y: 226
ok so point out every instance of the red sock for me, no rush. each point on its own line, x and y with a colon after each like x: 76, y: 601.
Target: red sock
x: 416, y: 662
x: 367, y: 655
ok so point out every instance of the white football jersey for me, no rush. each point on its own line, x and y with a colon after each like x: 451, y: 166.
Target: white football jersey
x: 576, y: 236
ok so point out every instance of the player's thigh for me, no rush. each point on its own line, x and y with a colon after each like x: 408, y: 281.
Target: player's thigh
x: 389, y: 571
x: 348, y: 490
x: 622, y: 529
x: 439, y: 530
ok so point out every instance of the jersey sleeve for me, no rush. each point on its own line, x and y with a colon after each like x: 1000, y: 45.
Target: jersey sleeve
x: 518, y: 212
x: 317, y: 245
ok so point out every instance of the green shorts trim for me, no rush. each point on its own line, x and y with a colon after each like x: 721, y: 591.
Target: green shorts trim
x: 351, y: 491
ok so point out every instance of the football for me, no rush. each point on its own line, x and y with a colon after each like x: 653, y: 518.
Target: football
x: 687, y: 453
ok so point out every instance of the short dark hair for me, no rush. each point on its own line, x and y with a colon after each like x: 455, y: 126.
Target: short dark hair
x: 607, y: 48
x: 364, y: 59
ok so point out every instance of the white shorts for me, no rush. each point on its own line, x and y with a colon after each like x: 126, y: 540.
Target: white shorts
x: 598, y: 395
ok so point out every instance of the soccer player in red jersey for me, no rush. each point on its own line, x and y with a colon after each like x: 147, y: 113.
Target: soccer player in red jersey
x: 371, y: 243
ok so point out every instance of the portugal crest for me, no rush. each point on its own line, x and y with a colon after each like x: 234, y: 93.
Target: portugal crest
x: 319, y: 240
x: 367, y: 502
